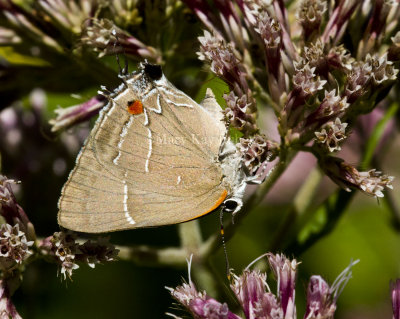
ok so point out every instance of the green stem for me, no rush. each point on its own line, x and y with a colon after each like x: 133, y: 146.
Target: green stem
x: 191, y: 240
x: 390, y: 202
x: 334, y: 212
x: 264, y: 96
x: 205, y: 278
x: 150, y: 256
x: 190, y: 236
x: 300, y: 212
x: 377, y: 133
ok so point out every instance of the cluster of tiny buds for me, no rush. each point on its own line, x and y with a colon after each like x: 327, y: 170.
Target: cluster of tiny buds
x: 333, y: 104
x: 14, y: 247
x: 216, y: 51
x: 106, y: 38
x: 269, y: 30
x: 310, y: 14
x: 17, y: 234
x: 255, y: 151
x: 372, y: 72
x: 332, y: 134
x: 306, y: 80
x: 374, y: 182
x: 371, y: 182
x: 65, y: 249
x: 317, y: 56
x: 98, y: 35
x: 224, y: 61
x: 238, y: 112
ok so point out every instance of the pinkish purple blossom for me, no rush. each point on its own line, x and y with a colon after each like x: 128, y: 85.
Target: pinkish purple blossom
x: 7, y: 308
x: 198, y: 303
x: 72, y: 115
x: 257, y: 300
x: 395, y: 290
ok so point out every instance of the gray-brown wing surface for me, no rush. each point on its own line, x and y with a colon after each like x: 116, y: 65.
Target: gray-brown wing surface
x: 147, y: 169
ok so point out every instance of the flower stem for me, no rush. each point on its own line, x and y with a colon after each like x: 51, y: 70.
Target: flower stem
x: 300, y: 213
x: 190, y: 236
x: 334, y: 211
x: 150, y: 256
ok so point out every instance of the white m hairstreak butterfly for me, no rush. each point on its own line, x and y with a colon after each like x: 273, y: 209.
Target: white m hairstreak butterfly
x: 154, y: 157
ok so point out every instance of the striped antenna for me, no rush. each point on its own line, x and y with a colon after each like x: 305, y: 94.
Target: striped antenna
x: 222, y: 232
x: 122, y: 71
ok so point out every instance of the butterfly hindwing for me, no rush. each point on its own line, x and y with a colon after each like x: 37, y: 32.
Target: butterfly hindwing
x: 153, y: 168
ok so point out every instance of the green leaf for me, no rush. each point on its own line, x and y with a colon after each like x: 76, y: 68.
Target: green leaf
x: 314, y: 225
x: 13, y: 57
x: 218, y: 86
x: 377, y: 133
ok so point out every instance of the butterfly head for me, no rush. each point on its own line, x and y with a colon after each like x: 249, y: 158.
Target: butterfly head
x: 232, y: 205
x: 152, y: 71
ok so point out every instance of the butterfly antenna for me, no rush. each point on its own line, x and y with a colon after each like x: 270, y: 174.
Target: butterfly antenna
x: 222, y: 232
x: 122, y: 71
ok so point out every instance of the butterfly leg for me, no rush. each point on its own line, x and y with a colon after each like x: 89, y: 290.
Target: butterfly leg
x: 260, y: 177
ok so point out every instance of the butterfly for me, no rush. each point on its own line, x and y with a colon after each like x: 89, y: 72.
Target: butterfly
x: 154, y: 157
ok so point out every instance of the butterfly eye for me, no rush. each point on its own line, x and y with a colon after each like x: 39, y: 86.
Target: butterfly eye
x: 153, y: 71
x: 230, y: 206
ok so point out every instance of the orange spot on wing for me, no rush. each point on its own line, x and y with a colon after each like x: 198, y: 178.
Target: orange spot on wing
x: 135, y: 107
x: 215, y: 206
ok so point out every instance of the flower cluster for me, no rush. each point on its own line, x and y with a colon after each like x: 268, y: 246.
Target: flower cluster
x: 317, y: 86
x: 10, y: 210
x: 270, y: 32
x: 17, y: 234
x: 310, y: 15
x: 64, y: 247
x: 370, y: 74
x: 371, y: 182
x: 67, y: 252
x: 255, y: 151
x: 324, y: 59
x: 223, y: 59
x: 106, y: 38
x: 17, y: 238
x: 332, y: 105
x: 14, y: 247
x: 332, y: 134
x: 238, y: 112
x: 258, y: 301
x: 306, y: 82
x: 7, y: 308
x: 199, y: 303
